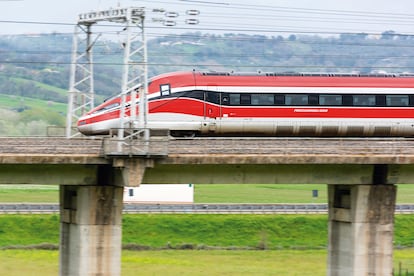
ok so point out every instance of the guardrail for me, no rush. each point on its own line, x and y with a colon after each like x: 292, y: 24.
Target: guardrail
x: 144, y: 208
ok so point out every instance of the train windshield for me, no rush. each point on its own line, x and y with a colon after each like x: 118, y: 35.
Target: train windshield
x: 107, y: 107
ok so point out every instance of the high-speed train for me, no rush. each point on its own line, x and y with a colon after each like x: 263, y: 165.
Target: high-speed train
x: 272, y: 104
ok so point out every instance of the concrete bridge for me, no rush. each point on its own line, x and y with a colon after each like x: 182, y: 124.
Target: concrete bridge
x: 360, y: 173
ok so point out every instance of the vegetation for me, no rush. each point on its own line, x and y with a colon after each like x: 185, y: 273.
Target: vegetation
x: 281, y: 236
x: 197, y: 231
x: 29, y: 193
x: 309, y: 262
x: 260, y: 193
x: 211, y: 193
x: 184, y: 262
x: 29, y: 116
x: 280, y: 262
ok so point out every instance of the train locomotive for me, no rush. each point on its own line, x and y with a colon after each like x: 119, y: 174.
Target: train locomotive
x: 269, y: 104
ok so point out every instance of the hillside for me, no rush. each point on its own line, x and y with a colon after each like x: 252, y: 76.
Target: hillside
x: 35, y: 69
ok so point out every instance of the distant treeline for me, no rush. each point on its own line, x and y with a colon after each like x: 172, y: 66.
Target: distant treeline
x: 46, y: 58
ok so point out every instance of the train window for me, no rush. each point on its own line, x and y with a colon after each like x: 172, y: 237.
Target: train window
x: 213, y: 97
x: 364, y: 100
x: 196, y: 94
x: 279, y: 99
x: 334, y: 100
x: 397, y: 100
x: 225, y: 99
x: 411, y: 97
x: 263, y: 99
x: 245, y: 99
x: 381, y: 100
x: 165, y: 89
x: 107, y: 107
x: 347, y: 100
x: 296, y: 99
x: 313, y: 100
x: 234, y: 99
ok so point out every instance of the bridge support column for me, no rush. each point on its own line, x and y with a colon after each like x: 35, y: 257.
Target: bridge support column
x: 361, y: 228
x: 90, y: 230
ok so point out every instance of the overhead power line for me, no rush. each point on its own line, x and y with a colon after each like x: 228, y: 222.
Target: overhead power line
x: 212, y: 65
x: 258, y: 7
x: 268, y: 18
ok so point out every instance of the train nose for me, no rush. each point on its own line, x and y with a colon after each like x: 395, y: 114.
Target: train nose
x: 84, y: 127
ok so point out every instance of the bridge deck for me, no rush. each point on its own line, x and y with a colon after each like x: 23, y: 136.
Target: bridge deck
x: 223, y: 150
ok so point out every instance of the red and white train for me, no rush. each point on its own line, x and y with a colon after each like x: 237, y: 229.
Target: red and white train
x: 204, y: 103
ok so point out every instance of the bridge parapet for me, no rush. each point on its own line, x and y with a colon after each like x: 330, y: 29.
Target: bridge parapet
x: 137, y: 143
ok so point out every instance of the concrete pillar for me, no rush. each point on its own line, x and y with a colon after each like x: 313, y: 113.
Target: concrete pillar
x: 90, y: 230
x: 361, y: 229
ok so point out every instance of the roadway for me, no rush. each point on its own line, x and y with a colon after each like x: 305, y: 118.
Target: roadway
x: 145, y: 208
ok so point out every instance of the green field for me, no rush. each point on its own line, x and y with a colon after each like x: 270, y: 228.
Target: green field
x: 15, y: 102
x: 211, y: 193
x: 196, y: 231
x: 296, y: 244
x: 218, y: 262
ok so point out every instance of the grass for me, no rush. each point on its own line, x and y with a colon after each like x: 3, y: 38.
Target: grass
x: 29, y: 193
x: 260, y: 193
x: 310, y: 262
x: 29, y: 262
x: 404, y: 262
x: 184, y: 262
x: 212, y: 193
x: 15, y: 102
x: 199, y: 231
x: 26, y: 230
x: 283, y: 235
x: 247, y: 231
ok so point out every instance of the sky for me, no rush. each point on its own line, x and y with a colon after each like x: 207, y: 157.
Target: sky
x: 268, y: 17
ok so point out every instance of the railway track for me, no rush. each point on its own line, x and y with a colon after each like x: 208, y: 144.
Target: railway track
x: 219, y: 145
x: 42, y: 208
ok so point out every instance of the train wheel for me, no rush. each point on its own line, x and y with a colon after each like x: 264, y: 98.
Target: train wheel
x: 183, y: 133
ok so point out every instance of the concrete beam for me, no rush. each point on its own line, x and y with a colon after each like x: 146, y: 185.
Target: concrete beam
x: 67, y: 174
x: 400, y: 174
x: 131, y: 172
x: 258, y: 174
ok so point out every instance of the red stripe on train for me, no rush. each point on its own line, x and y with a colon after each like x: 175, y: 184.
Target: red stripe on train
x: 198, y: 108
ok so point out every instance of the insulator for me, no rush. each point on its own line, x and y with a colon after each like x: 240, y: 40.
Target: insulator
x: 158, y: 10
x: 171, y: 14
x: 192, y: 12
x: 169, y: 23
x: 192, y: 21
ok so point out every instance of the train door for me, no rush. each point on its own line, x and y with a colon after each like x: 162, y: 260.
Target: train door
x: 212, y: 109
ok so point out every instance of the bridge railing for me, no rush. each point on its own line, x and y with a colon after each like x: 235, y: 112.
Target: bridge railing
x: 137, y: 142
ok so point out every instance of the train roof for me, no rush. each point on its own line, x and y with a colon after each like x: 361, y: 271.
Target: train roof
x: 280, y: 74
x: 285, y: 79
x: 298, y: 74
